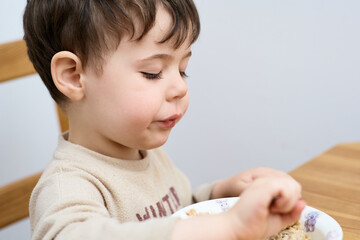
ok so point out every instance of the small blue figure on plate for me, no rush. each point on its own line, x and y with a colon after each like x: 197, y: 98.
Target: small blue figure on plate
x: 224, y: 205
x: 311, y: 221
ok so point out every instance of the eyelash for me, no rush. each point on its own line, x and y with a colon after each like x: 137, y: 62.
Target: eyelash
x: 152, y: 76
x: 184, y: 75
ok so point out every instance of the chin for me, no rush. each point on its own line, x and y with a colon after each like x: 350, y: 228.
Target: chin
x: 155, y: 143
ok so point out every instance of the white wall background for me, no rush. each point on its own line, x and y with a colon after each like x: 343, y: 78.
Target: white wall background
x: 272, y: 83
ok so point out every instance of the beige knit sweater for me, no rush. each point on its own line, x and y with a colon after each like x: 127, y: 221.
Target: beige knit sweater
x: 85, y: 195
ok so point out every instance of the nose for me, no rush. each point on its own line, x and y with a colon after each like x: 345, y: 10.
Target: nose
x: 177, y: 88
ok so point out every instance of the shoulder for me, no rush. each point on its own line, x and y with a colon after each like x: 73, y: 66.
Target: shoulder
x: 67, y: 175
x: 61, y: 182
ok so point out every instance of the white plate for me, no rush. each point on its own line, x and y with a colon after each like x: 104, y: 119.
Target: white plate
x: 318, y: 225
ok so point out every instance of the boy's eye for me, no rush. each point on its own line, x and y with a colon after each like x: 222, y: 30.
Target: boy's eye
x: 158, y: 75
x: 183, y: 74
x: 151, y: 75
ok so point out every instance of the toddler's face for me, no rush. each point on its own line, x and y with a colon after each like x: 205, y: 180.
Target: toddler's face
x: 140, y: 95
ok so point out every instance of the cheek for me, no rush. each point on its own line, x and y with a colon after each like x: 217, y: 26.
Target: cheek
x: 141, y: 109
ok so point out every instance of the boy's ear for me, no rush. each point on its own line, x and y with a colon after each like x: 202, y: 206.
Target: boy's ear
x: 66, y: 71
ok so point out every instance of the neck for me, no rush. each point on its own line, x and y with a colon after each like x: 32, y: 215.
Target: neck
x: 83, y: 133
x: 105, y: 147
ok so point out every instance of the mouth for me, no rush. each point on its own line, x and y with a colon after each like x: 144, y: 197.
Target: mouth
x: 170, y: 121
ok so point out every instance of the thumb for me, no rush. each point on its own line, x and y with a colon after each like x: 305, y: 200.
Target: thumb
x: 294, y: 215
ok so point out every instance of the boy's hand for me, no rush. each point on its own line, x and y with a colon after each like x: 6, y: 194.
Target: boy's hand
x: 267, y: 206
x: 235, y: 185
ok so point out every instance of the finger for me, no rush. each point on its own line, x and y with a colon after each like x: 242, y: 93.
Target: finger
x: 283, y: 204
x: 282, y: 221
x: 294, y: 215
x: 285, y: 201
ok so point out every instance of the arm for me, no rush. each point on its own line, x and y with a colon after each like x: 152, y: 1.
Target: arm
x: 72, y: 207
x: 235, y: 185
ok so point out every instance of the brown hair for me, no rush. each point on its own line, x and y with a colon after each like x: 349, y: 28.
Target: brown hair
x: 93, y: 28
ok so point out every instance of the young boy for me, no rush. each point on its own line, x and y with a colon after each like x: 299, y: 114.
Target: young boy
x: 117, y: 68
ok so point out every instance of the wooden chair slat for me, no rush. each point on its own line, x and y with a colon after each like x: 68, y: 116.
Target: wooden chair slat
x: 14, y: 199
x: 63, y: 120
x: 14, y: 62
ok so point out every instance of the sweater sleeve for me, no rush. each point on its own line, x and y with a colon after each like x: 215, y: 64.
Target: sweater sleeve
x: 70, y: 207
x: 202, y: 193
x: 98, y: 228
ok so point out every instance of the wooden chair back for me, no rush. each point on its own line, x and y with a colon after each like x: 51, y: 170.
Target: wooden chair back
x: 15, y: 196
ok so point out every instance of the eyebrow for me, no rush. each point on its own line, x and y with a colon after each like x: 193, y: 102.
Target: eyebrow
x: 162, y: 56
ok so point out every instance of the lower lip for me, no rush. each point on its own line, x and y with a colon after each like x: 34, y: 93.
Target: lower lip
x: 168, y: 123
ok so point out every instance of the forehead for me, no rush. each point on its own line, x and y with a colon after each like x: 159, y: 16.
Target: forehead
x: 152, y: 40
x: 165, y: 28
x: 163, y: 23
